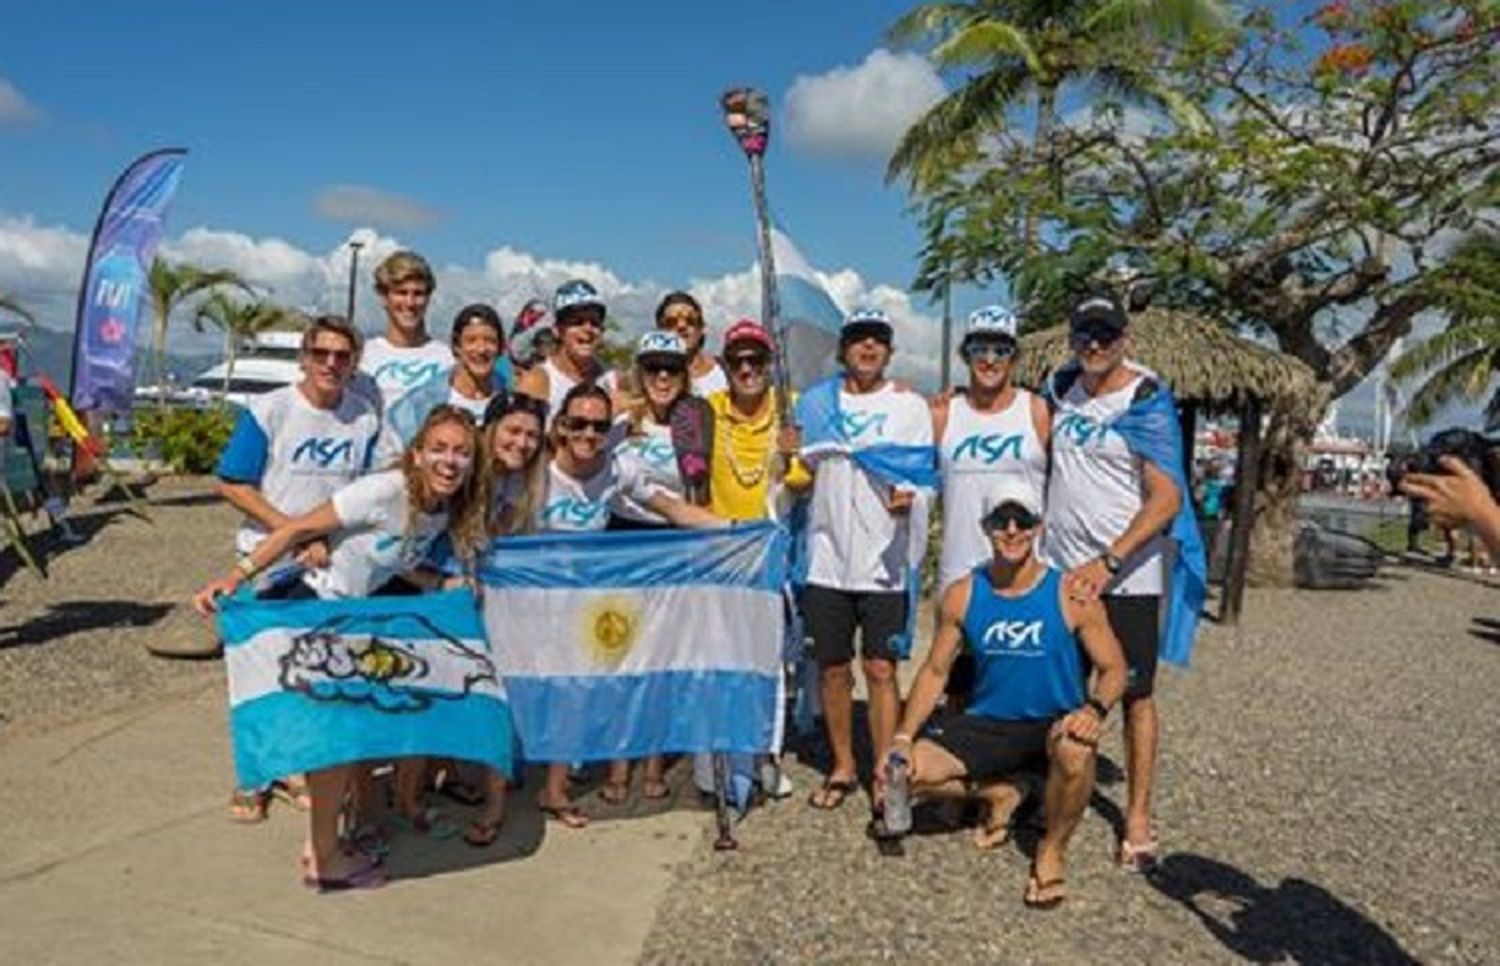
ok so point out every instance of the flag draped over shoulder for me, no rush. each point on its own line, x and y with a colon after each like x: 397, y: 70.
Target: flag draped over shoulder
x: 319, y: 683
x: 1151, y: 431
x: 623, y: 645
x: 891, y: 464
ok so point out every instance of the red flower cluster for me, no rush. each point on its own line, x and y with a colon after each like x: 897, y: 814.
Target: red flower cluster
x: 1346, y: 59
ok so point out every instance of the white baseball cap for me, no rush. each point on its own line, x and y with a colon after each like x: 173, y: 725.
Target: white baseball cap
x: 1011, y: 489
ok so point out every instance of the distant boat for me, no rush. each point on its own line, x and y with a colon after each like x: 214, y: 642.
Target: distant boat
x: 269, y: 362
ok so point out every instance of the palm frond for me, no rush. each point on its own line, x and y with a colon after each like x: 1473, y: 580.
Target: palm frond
x: 14, y: 307
x: 956, y: 122
x: 931, y: 21
x: 985, y: 42
x: 1443, y: 348
x: 1467, y: 377
x: 1159, y: 18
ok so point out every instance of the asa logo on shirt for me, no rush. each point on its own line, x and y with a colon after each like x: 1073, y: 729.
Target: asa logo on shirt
x: 1020, y: 638
x: 324, y: 451
x: 856, y: 425
x: 567, y: 513
x: 1081, y: 430
x: 656, y: 452
x: 405, y: 374
x: 988, y: 448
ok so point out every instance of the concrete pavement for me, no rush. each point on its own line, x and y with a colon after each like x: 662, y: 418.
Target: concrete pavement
x: 115, y: 846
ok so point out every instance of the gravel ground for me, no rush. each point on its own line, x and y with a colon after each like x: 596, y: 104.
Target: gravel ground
x: 83, y: 630
x: 1327, y: 794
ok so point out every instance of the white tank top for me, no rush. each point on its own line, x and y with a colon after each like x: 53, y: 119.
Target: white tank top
x: 559, y: 382
x: 1097, y: 488
x: 978, y: 449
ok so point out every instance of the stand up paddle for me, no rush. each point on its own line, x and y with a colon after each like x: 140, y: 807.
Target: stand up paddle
x: 691, y: 422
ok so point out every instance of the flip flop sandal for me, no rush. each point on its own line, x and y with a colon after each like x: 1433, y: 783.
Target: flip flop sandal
x: 655, y: 789
x: 831, y: 794
x: 1139, y: 858
x: 248, y: 807
x: 456, y: 790
x: 367, y: 877
x: 614, y: 793
x: 293, y: 793
x: 1035, y: 887
x: 483, y: 834
x: 988, y: 838
x: 570, y: 815
x: 428, y: 823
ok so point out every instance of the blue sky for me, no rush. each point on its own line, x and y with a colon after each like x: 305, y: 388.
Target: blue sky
x: 580, y: 130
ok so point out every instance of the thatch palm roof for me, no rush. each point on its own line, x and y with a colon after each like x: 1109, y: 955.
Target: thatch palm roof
x: 1202, y: 361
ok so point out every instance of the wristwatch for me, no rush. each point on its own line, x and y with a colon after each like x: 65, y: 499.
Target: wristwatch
x: 1098, y: 707
x: 1112, y: 563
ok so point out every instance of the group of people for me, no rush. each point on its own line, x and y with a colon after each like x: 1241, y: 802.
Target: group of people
x: 1052, y: 562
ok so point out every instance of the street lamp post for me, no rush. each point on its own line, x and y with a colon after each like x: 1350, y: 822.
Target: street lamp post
x: 354, y: 247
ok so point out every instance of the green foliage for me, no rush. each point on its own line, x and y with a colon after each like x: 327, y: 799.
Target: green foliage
x: 1315, y: 201
x: 1461, y: 362
x: 169, y: 285
x: 188, y: 441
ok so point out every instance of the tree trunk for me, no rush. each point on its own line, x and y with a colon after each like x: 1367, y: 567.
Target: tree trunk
x: 1288, y: 429
x: 1042, y: 146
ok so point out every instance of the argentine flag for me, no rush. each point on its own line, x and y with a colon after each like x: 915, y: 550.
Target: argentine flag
x: 622, y: 645
x: 318, y: 683
x: 809, y: 315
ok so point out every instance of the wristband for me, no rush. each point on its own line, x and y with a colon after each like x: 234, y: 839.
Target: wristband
x: 1098, y: 707
x: 905, y: 738
x: 246, y: 567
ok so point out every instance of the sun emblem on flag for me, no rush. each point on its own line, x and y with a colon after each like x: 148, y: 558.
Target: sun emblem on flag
x: 610, y: 626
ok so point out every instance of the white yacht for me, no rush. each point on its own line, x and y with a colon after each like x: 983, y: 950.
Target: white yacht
x: 268, y: 362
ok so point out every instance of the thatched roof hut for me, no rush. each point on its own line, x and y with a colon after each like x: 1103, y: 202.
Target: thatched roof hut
x: 1204, y: 363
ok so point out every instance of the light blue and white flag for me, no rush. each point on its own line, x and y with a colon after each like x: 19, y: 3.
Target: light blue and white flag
x: 810, y: 317
x: 318, y: 683
x: 622, y: 645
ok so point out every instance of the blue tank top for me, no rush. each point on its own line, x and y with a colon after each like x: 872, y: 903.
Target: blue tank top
x: 1029, y: 665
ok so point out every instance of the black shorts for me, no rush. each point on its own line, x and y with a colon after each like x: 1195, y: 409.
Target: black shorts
x: 831, y: 617
x: 991, y: 749
x: 1136, y: 621
x: 295, y: 589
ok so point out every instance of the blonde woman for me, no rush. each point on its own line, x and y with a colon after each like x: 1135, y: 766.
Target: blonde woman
x: 513, y: 472
x: 380, y: 526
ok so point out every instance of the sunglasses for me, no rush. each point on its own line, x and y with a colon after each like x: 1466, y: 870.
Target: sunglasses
x: 753, y: 360
x: 1001, y: 518
x: 331, y: 357
x: 578, y: 424
x: 579, y: 318
x: 672, y: 321
x: 654, y: 369
x: 1083, y: 338
x: 988, y: 352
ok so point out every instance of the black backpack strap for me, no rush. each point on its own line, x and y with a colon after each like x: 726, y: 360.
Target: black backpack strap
x: 1147, y: 388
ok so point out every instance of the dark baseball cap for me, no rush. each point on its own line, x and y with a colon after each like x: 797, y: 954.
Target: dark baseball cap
x: 1098, y: 312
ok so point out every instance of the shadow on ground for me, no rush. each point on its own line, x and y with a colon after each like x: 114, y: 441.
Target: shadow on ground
x: 67, y: 618
x: 1293, y: 920
x: 1486, y: 629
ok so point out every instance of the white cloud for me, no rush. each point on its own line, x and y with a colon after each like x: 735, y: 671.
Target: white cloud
x: 14, y: 107
x: 861, y: 112
x: 363, y: 205
x: 41, y: 266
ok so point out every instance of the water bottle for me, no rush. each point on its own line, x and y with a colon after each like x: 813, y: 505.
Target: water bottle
x: 897, y: 794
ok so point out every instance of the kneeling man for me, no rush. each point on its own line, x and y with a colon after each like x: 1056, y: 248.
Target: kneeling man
x: 1032, y: 707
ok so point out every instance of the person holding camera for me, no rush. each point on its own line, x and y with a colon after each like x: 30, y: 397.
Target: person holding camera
x: 1457, y: 497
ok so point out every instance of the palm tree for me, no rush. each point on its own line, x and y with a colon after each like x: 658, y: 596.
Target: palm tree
x: 241, y: 322
x: 1024, y: 51
x: 170, y: 284
x: 1460, y: 363
x: 14, y: 307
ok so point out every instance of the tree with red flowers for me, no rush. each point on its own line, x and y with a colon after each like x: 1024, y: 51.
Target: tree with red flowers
x: 1342, y: 160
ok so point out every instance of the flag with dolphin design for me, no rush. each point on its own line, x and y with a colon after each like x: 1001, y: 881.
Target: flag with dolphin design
x: 622, y: 645
x: 319, y: 683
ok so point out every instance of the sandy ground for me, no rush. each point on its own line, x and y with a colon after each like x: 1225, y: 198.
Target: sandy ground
x: 1328, y: 793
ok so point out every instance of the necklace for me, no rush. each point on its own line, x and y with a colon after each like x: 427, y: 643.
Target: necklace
x: 748, y: 472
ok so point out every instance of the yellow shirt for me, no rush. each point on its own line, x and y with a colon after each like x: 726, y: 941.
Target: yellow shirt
x: 743, y: 461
